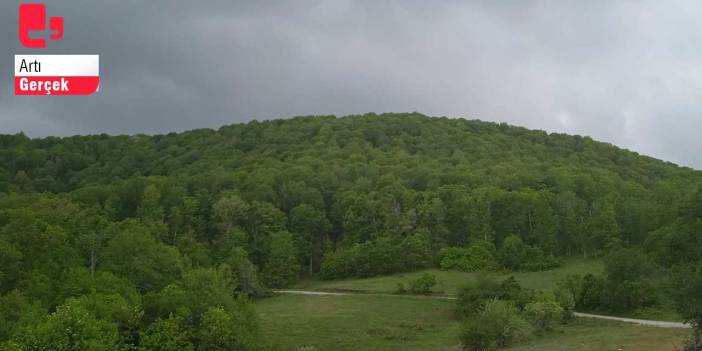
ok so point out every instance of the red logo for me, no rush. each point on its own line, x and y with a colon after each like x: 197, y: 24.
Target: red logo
x: 51, y: 74
x: 32, y: 18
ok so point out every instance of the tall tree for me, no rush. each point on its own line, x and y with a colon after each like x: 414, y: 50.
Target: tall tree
x: 309, y: 227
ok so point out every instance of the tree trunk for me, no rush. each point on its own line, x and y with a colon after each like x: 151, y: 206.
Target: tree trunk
x: 311, y: 259
x: 93, y: 259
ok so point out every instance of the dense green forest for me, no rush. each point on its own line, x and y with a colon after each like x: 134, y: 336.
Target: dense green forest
x: 159, y: 242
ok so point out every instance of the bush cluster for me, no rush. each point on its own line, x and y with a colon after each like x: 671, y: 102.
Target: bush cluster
x: 382, y: 256
x: 478, y: 257
x: 482, y: 256
x: 627, y: 284
x: 497, y: 314
x: 420, y: 286
x: 518, y: 256
x: 496, y: 324
x: 472, y: 296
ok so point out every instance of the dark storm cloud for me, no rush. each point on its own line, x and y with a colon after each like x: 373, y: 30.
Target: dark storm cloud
x: 629, y: 73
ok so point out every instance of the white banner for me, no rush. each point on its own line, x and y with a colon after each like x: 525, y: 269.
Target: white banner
x: 57, y: 65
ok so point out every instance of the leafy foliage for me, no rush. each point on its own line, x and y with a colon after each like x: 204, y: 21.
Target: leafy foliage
x: 225, y: 331
x: 478, y: 257
x: 516, y: 255
x: 473, y: 296
x: 544, y: 312
x: 70, y: 328
x: 420, y: 286
x: 282, y: 267
x: 628, y: 283
x: 497, y: 324
x: 165, y: 335
x: 382, y: 256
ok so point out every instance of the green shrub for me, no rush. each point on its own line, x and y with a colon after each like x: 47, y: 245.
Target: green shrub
x: 423, y: 284
x: 694, y: 341
x: 565, y: 299
x: 69, y: 328
x: 513, y: 253
x: 401, y: 290
x: 628, y: 283
x: 476, y: 258
x: 472, y: 296
x: 571, y: 283
x: 517, y: 255
x: 451, y: 257
x: 497, y: 324
x: 628, y: 295
x: 281, y: 268
x: 223, y: 330
x: 591, y: 290
x: 510, y: 290
x: 165, y: 335
x: 544, y: 312
x: 416, y: 251
x: 339, y: 263
x: 540, y: 262
x: 245, y: 274
x: 379, y: 257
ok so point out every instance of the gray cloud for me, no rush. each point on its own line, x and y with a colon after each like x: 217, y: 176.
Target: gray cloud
x: 628, y: 73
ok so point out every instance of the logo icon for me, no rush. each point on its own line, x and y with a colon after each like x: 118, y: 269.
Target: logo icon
x: 32, y: 19
x: 51, y: 74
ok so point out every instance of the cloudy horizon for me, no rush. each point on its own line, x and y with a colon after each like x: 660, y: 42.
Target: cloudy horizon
x: 626, y: 73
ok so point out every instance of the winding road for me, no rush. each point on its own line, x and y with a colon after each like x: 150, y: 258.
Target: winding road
x: 660, y: 324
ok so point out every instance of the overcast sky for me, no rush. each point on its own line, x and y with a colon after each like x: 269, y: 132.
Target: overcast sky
x: 629, y: 73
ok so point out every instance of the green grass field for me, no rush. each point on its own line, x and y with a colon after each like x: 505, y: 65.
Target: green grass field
x: 398, y: 322
x: 451, y: 281
x: 597, y: 335
x: 366, y: 322
x: 360, y: 322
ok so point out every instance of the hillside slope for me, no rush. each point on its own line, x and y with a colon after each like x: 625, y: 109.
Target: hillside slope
x: 370, y: 176
x: 465, y: 149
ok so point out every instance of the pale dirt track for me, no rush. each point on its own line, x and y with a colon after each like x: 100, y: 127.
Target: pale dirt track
x: 660, y: 324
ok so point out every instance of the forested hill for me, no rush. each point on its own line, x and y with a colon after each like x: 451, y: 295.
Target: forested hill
x: 421, y: 152
x: 127, y: 241
x: 368, y: 176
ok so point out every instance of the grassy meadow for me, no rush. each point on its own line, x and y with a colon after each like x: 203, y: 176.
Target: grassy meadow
x: 451, y: 281
x: 367, y: 322
x: 400, y: 322
x: 359, y: 322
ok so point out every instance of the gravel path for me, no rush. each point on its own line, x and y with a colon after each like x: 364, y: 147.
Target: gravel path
x: 660, y: 324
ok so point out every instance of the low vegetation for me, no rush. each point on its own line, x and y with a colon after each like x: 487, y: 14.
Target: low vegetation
x: 451, y: 281
x: 420, y: 286
x: 499, y: 314
x: 292, y: 322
